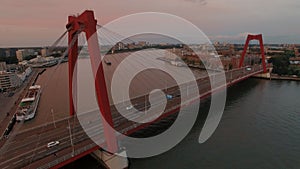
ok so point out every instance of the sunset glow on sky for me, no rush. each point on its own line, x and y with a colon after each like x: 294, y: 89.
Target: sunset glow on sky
x: 40, y: 23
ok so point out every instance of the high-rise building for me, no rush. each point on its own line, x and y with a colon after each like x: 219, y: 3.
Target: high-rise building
x: 44, y: 52
x: 9, y: 80
x: 3, y: 66
x: 20, y: 54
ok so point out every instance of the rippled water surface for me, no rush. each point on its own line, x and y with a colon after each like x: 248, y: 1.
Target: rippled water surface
x: 260, y: 128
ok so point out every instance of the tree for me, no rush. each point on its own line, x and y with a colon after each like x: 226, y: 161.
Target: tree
x: 280, y: 65
x: 29, y: 57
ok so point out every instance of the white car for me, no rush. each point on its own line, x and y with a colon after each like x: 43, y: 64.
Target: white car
x: 52, y: 144
x: 248, y: 68
x: 129, y: 107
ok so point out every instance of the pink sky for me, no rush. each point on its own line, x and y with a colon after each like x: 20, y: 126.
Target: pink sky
x: 40, y: 23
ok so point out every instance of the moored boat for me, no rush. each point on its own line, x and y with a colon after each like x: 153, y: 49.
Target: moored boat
x: 28, y: 105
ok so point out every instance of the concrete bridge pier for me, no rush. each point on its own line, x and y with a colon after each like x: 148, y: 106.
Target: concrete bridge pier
x: 266, y: 75
x: 111, y: 161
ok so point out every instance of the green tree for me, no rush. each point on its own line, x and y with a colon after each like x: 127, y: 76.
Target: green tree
x: 280, y: 65
x: 29, y: 57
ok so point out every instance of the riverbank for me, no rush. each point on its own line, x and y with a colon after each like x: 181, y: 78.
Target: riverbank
x: 53, y: 103
x: 276, y: 77
x: 10, y: 104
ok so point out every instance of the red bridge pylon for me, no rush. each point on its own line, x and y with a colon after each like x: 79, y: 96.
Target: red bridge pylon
x: 258, y: 37
x: 87, y: 23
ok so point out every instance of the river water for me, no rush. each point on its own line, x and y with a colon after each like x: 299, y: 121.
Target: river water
x: 260, y: 128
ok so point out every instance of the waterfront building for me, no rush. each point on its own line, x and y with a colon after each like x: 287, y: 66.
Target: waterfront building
x: 44, y: 52
x: 3, y: 66
x: 9, y: 80
x: 22, y: 53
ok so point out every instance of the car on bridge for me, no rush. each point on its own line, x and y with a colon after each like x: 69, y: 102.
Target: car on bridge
x: 169, y: 97
x: 129, y: 107
x: 52, y: 144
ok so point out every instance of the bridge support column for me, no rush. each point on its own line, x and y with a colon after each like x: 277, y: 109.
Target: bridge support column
x: 87, y: 23
x: 111, y: 161
x: 260, y: 39
x: 265, y: 75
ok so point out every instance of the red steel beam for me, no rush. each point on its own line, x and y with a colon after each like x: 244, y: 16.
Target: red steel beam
x: 258, y: 37
x: 87, y: 23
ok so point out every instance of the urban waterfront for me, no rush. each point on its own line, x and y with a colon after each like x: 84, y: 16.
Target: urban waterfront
x: 260, y: 128
x: 182, y: 84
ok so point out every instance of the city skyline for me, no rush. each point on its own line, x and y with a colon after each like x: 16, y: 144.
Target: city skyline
x: 34, y: 23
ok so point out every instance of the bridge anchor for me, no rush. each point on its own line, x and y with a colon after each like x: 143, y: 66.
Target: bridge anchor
x: 111, y: 161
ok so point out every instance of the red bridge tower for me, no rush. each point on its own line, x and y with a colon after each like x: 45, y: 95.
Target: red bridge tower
x: 87, y: 23
x: 260, y: 39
